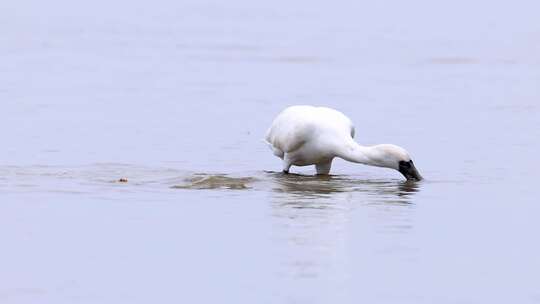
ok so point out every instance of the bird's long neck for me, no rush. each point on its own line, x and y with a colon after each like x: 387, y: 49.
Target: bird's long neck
x: 353, y: 152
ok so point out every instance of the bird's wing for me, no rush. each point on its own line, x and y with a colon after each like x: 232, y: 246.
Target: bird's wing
x: 277, y: 152
x: 285, y: 138
x: 289, y: 131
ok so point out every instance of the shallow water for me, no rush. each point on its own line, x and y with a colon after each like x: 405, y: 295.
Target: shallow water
x: 132, y: 166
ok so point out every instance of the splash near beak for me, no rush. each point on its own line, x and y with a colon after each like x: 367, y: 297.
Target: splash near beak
x: 409, y: 171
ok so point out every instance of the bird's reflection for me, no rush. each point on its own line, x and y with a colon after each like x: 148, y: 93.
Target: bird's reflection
x: 315, y: 219
x: 300, y: 189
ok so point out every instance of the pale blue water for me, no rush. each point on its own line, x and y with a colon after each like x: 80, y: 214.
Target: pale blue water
x: 176, y: 97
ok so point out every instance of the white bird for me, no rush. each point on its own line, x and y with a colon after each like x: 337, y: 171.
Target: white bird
x: 307, y: 135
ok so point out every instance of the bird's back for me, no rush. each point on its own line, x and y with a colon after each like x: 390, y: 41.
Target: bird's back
x: 297, y: 125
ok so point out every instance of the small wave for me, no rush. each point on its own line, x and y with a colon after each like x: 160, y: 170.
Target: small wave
x: 217, y: 181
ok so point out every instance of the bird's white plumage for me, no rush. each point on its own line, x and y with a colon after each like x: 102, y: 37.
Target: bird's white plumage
x: 308, y: 135
x: 298, y: 125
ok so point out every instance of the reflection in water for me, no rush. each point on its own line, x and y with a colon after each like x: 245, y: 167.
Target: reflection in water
x: 302, y: 187
x: 312, y: 220
x: 293, y: 188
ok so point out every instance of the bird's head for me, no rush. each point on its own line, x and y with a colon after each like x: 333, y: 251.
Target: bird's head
x: 395, y: 157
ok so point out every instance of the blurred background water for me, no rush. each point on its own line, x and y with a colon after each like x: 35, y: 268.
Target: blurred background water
x: 175, y: 97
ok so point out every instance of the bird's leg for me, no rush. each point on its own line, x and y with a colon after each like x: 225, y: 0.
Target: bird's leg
x: 286, y: 164
x: 323, y: 168
x: 286, y: 167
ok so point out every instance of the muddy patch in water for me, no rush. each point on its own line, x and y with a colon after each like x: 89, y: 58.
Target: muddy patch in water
x: 215, y: 181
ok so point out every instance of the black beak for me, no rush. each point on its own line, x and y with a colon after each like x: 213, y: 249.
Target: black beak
x: 409, y: 171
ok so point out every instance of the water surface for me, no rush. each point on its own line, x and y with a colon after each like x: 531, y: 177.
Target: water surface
x: 132, y: 167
